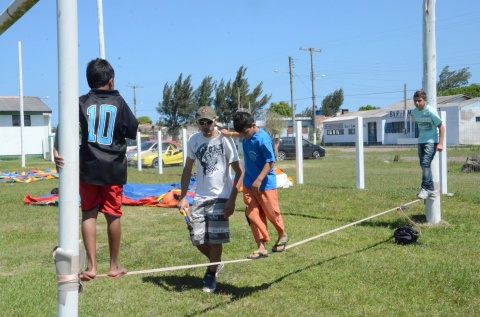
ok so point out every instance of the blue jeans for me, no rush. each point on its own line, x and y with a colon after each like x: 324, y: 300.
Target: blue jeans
x: 426, y: 152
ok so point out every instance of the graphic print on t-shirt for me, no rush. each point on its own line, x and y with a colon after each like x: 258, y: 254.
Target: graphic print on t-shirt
x: 208, y: 157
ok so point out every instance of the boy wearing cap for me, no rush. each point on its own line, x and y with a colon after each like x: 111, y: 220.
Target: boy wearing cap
x: 215, y: 195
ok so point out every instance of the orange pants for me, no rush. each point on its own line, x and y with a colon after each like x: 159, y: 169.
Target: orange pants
x: 260, y: 207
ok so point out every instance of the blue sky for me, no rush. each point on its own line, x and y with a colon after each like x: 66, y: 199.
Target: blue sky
x: 369, y: 48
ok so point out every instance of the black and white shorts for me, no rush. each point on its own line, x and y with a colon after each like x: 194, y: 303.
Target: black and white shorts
x: 209, y: 223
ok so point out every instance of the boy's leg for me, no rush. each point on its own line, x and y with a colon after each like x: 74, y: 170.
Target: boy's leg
x: 89, y: 233
x: 257, y: 220
x: 111, y: 208
x: 268, y: 200
x: 114, y: 235
x: 426, y: 155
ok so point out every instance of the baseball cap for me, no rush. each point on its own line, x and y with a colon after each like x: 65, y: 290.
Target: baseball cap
x: 206, y: 112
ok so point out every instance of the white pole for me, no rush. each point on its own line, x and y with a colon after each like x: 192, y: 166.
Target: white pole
x: 101, y: 41
x: 299, y: 151
x: 68, y: 229
x: 160, y: 151
x: 443, y: 157
x: 139, y: 151
x: 359, y: 151
x: 433, y: 212
x: 22, y: 123
x: 184, y: 146
x: 50, y: 139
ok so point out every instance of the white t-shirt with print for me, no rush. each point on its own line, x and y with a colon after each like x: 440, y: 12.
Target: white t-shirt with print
x: 213, y: 157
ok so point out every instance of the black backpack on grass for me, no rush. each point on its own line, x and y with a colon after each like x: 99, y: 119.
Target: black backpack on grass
x: 405, y: 235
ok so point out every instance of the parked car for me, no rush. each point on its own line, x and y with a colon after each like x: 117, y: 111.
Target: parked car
x: 172, y: 154
x: 132, y: 143
x: 286, y: 149
x: 145, y: 147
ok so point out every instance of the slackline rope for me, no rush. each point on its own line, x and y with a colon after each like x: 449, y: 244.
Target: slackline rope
x: 183, y: 267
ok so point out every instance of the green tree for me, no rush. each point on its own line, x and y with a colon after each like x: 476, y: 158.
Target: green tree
x: 282, y: 108
x: 332, y: 103
x: 144, y: 120
x: 231, y: 96
x: 306, y: 113
x: 367, y: 107
x: 203, y: 94
x: 473, y: 91
x: 177, y: 107
x: 274, y: 123
x: 453, y: 79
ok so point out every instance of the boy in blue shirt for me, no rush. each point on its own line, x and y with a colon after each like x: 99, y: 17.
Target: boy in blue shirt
x: 260, y: 185
x: 430, y: 140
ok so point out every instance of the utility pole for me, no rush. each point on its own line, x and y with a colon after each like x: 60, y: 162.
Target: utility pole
x: 290, y: 61
x: 313, y: 50
x: 135, y: 98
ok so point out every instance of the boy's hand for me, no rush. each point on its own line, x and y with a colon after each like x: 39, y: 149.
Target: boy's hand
x: 59, y: 160
x: 439, y: 147
x: 229, y: 209
x: 184, y: 206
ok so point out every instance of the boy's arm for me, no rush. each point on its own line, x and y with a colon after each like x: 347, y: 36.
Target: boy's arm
x: 186, y: 174
x: 258, y: 182
x: 237, y: 183
x: 441, y: 130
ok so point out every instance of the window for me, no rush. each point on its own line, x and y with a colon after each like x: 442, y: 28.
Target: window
x: 335, y: 132
x: 477, y: 119
x: 394, y: 127
x: 16, y: 120
x: 351, y: 131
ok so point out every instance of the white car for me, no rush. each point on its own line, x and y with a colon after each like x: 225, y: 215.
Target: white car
x: 145, y: 147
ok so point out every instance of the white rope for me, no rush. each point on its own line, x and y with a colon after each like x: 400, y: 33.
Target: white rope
x: 183, y: 267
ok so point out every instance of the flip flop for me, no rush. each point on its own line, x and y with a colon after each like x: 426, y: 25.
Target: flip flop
x: 280, y: 244
x: 122, y: 273
x: 257, y: 255
x: 85, y: 277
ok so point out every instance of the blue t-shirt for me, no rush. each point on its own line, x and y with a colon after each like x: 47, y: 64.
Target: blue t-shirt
x: 258, y: 150
x: 427, y: 121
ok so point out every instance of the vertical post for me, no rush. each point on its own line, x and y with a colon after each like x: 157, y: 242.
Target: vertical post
x: 139, y: 151
x: 299, y: 152
x: 292, y: 99
x: 359, y: 153
x: 443, y: 157
x: 22, y: 118
x: 433, y: 212
x: 184, y: 146
x: 68, y: 231
x: 405, y: 108
x: 101, y: 41
x: 160, y: 151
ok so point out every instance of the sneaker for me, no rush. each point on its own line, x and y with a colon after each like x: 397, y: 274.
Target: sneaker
x: 209, y: 283
x: 219, y: 268
x: 423, y: 194
x: 432, y: 194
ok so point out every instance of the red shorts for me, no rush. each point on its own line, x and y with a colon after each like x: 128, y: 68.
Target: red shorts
x: 107, y: 198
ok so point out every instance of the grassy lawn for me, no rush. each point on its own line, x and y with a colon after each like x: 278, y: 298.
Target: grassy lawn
x: 357, y: 271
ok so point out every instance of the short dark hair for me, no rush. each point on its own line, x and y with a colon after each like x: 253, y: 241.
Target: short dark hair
x: 242, y: 121
x: 99, y: 73
x: 420, y: 94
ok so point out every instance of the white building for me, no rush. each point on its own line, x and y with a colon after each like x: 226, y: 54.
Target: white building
x: 387, y: 126
x: 37, y: 126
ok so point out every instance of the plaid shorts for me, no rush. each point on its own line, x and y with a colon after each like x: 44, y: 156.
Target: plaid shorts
x: 209, y: 223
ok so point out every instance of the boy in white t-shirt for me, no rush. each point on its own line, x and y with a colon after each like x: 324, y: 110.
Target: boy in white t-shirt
x: 215, y: 193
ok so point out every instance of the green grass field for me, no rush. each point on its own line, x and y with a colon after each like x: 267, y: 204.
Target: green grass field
x: 357, y: 271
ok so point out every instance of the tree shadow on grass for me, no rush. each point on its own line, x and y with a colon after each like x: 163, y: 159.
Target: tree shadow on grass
x: 187, y: 282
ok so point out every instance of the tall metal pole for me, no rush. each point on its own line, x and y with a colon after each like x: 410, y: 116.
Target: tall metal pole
x: 433, y: 213
x: 312, y: 50
x: 292, y: 99
x: 67, y: 254
x: 22, y: 117
x: 101, y: 41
